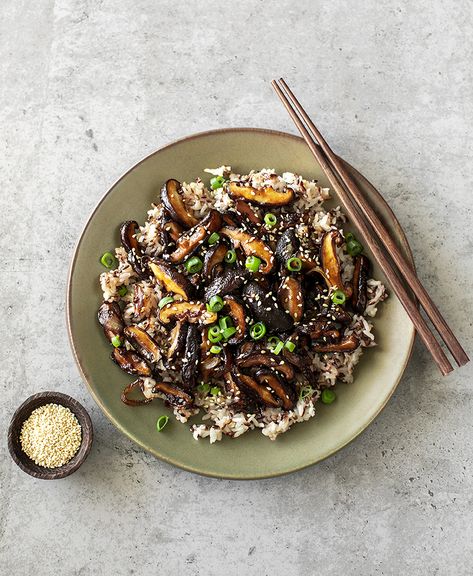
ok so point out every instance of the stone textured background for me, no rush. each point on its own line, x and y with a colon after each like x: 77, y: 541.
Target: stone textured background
x: 87, y: 88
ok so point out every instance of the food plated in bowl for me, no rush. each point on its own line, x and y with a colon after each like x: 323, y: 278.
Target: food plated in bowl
x: 253, y: 456
x: 240, y: 299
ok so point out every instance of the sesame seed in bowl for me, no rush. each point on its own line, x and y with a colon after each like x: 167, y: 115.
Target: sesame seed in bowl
x: 50, y: 435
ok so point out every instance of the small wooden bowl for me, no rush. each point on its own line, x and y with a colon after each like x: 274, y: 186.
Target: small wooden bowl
x: 23, y: 413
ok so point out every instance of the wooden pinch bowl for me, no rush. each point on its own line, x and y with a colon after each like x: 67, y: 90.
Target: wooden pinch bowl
x: 24, y: 411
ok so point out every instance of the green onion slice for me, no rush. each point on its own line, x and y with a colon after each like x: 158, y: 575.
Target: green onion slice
x: 338, y: 297
x: 193, y: 265
x: 161, y: 423
x: 328, y: 396
x: 354, y: 247
x: 230, y: 257
x: 290, y: 346
x: 294, y: 264
x: 116, y: 341
x: 253, y: 263
x: 217, y: 182
x: 215, y: 304
x: 305, y: 392
x: 204, y: 387
x: 270, y: 220
x: 214, y: 334
x: 225, y: 322
x: 215, y: 349
x: 257, y: 331
x: 165, y: 301
x: 273, y: 341
x: 228, y: 332
x: 108, y: 260
x: 213, y: 238
x: 215, y: 391
x: 123, y: 291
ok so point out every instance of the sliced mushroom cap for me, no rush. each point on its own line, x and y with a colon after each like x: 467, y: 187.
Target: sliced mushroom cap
x: 360, y: 281
x: 245, y: 210
x: 172, y: 200
x: 285, y: 393
x: 258, y: 391
x: 190, y: 361
x: 110, y: 317
x: 130, y: 362
x: 301, y: 361
x: 173, y: 229
x: 137, y: 260
x: 330, y: 262
x: 236, y: 312
x: 175, y: 395
x: 143, y: 343
x: 213, y: 260
x: 286, y: 246
x: 348, y: 344
x: 266, y: 196
x: 189, y: 241
x: 134, y: 401
x: 226, y: 282
x: 187, y: 311
x: 171, y: 279
x: 265, y: 308
x: 251, y: 246
x: 177, y: 338
x: 128, y: 231
x: 291, y: 298
x: 258, y: 360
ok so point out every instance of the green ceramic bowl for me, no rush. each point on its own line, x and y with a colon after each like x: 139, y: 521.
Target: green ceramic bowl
x: 252, y: 455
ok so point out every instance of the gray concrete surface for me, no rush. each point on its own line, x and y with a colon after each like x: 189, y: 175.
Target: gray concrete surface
x: 90, y: 86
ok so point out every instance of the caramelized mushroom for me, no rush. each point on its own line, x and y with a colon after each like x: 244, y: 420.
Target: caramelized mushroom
x: 251, y: 246
x: 286, y: 246
x: 256, y: 390
x: 110, y: 317
x: 174, y: 204
x: 348, y: 344
x: 171, y: 279
x: 189, y: 311
x: 190, y: 362
x: 177, y: 338
x: 360, y: 280
x: 143, y: 343
x: 330, y: 263
x: 265, y: 309
x: 189, y: 241
x: 284, y: 392
x: 226, y: 283
x: 213, y: 259
x: 130, y: 362
x: 245, y: 210
x: 269, y: 360
x: 290, y: 297
x: 173, y: 229
x: 266, y: 196
x: 237, y: 314
x: 134, y: 401
x: 135, y: 256
x: 175, y: 395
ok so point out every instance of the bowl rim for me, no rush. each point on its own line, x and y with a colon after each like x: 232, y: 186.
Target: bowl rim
x: 75, y: 352
x: 41, y: 399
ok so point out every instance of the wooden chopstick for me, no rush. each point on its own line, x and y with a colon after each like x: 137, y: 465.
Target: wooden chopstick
x: 406, y: 270
x: 372, y: 241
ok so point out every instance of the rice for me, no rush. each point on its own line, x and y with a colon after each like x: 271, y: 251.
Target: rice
x: 221, y: 414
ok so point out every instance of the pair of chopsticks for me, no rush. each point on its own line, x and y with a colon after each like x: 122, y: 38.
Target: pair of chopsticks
x: 376, y: 236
